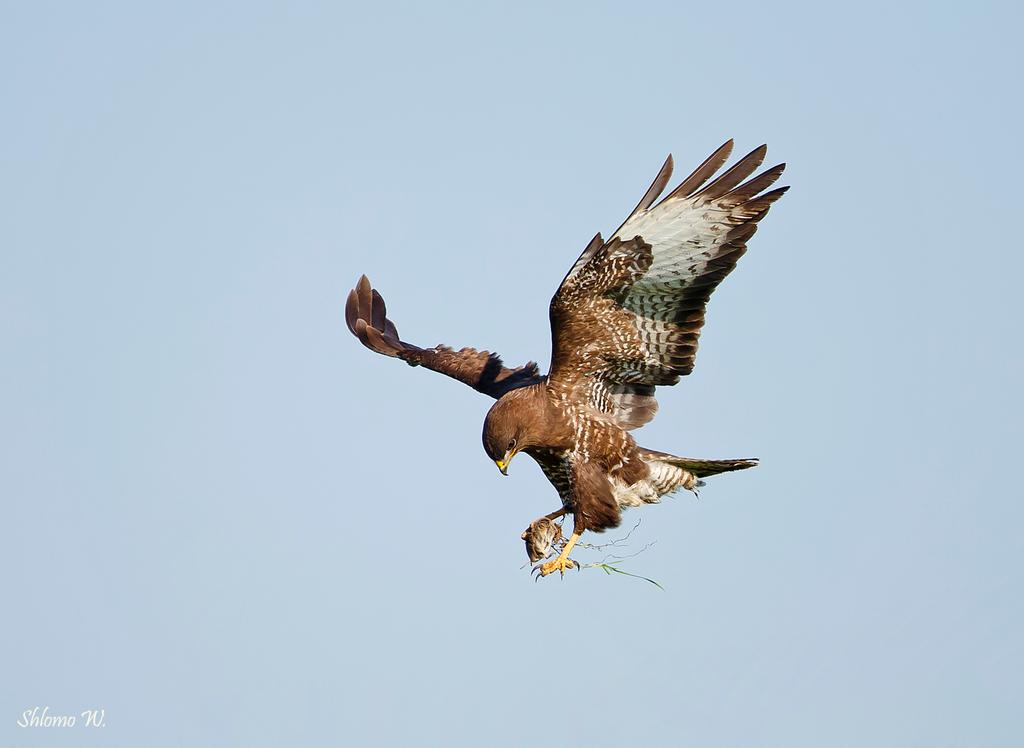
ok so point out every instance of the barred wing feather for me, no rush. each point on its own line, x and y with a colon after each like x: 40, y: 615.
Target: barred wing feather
x: 628, y: 315
x: 366, y: 317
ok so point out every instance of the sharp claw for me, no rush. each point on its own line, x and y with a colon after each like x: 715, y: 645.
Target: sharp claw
x: 568, y: 563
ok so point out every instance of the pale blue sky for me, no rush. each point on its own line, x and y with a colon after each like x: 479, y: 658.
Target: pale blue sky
x: 227, y: 523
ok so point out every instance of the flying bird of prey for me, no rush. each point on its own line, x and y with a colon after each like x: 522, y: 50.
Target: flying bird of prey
x: 625, y: 319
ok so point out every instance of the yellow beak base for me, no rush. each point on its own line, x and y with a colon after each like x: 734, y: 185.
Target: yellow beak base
x: 503, y: 463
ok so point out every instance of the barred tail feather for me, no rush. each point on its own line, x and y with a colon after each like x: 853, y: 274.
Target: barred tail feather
x: 701, y: 468
x: 704, y: 468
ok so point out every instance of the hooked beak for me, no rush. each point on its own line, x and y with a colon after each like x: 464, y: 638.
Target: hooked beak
x: 503, y: 463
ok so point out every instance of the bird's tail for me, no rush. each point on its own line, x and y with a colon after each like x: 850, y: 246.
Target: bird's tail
x: 704, y: 468
x: 696, y: 468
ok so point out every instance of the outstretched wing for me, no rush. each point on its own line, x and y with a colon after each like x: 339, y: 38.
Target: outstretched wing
x: 366, y: 317
x: 629, y: 312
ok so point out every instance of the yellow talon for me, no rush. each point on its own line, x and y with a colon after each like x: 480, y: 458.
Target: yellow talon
x: 563, y: 561
x: 559, y: 564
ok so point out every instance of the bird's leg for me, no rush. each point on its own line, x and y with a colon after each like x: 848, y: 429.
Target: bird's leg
x: 563, y: 562
x: 555, y: 515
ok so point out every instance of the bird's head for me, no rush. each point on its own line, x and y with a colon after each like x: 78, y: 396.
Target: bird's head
x: 511, y: 426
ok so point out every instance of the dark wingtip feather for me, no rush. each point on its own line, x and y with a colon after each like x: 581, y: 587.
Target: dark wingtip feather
x: 366, y: 317
x: 377, y: 342
x: 742, y: 233
x: 365, y: 295
x: 653, y: 192
x: 734, y: 175
x: 352, y: 310
x: 378, y: 312
x: 750, y: 189
x: 704, y: 172
x: 656, y: 188
x: 359, y: 328
x: 774, y: 195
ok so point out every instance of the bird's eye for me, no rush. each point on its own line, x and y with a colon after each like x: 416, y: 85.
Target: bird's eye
x: 511, y: 445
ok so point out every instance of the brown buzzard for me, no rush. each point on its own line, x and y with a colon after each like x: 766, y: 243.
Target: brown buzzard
x: 625, y: 319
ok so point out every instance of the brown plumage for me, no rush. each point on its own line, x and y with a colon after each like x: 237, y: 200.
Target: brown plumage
x: 540, y: 537
x: 626, y: 318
